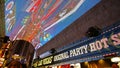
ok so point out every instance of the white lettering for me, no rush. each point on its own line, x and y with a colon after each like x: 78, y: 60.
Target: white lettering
x: 85, y: 49
x: 104, y: 41
x: 78, y: 51
x: 72, y: 53
x: 98, y: 45
x: 92, y: 47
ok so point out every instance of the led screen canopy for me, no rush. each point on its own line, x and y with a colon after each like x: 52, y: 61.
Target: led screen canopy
x: 38, y: 21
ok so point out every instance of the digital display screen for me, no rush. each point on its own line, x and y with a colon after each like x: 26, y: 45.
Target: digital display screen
x: 10, y: 10
x: 38, y: 21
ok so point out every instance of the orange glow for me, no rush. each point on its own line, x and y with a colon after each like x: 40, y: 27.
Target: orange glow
x: 101, y: 61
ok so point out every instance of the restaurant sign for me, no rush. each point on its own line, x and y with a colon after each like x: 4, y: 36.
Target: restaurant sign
x: 98, y: 45
x: 106, y: 42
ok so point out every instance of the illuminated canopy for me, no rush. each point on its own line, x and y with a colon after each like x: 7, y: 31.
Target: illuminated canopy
x: 38, y: 21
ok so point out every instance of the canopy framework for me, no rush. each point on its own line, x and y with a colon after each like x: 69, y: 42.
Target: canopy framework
x: 2, y: 21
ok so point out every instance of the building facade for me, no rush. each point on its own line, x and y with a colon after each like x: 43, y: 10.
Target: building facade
x: 105, y: 15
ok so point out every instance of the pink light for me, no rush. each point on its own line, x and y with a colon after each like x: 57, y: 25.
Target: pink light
x: 33, y: 6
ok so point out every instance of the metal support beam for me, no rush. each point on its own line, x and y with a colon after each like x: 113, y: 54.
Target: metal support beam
x: 2, y: 20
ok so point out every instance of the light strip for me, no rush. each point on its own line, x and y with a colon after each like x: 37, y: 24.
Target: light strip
x: 19, y: 32
x: 31, y: 6
x: 45, y: 54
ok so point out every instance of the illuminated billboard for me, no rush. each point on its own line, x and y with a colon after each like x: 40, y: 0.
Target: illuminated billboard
x: 38, y: 21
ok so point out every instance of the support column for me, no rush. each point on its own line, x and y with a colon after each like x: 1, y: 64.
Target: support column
x: 2, y: 18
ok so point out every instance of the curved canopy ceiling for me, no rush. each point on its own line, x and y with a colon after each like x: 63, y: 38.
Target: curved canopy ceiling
x: 38, y: 21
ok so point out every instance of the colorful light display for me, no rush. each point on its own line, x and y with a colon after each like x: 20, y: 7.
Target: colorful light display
x: 38, y: 21
x: 10, y: 11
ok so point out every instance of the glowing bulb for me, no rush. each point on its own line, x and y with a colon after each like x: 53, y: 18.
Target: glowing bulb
x: 115, y: 59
